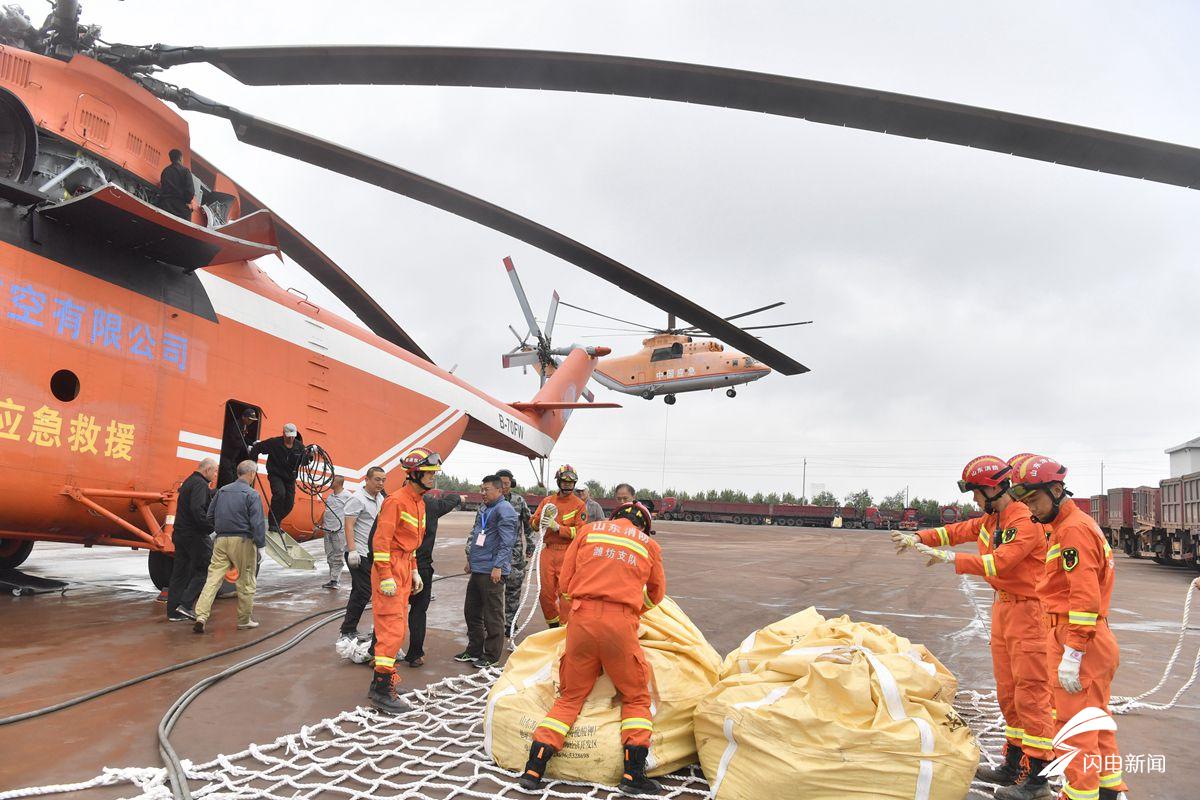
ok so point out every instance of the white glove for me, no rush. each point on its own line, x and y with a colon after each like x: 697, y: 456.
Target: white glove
x: 936, y: 556
x: 388, y: 587
x: 903, y: 541
x: 549, y: 517
x: 1068, y: 670
x: 417, y: 584
x: 353, y: 559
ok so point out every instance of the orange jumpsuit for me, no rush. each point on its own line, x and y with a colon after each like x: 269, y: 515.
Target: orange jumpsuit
x: 572, y: 515
x: 1012, y: 558
x: 1076, y: 591
x: 612, y: 574
x: 399, y: 530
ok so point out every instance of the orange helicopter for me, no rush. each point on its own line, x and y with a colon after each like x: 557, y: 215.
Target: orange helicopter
x: 670, y: 362
x: 131, y: 335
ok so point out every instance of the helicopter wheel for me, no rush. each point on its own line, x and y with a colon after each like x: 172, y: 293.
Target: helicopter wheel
x: 13, y: 552
x: 160, y: 566
x: 730, y: 393
x: 647, y: 395
x: 669, y: 399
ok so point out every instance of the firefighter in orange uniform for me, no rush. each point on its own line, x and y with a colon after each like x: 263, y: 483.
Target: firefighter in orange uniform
x: 1081, y: 650
x: 1012, y: 558
x: 611, y: 575
x: 399, y: 529
x: 557, y: 536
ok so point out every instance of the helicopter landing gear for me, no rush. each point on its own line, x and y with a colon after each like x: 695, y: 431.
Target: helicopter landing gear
x: 730, y: 393
x: 669, y: 399
x: 647, y: 395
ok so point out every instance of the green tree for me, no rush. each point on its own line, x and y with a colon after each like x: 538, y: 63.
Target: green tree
x: 788, y: 499
x: 772, y: 498
x: 929, y: 510
x: 825, y: 498
x: 860, y: 500
x: 893, y: 502
x: 758, y: 498
x: 596, y: 488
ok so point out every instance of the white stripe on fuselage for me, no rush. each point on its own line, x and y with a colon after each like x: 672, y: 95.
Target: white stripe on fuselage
x: 261, y: 313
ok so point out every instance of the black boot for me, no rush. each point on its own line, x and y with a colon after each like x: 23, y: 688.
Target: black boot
x: 382, y: 694
x: 1110, y: 794
x: 1034, y: 787
x: 535, y: 768
x: 634, y: 780
x: 1007, y: 773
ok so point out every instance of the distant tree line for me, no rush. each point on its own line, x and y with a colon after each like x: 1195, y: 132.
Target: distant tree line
x: 928, y: 508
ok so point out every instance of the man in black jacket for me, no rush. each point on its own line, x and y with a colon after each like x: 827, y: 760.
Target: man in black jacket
x: 285, y: 455
x: 418, y: 604
x: 193, y: 550
x: 175, y: 187
x: 239, y: 434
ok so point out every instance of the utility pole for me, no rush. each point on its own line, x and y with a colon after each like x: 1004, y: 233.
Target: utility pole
x: 804, y: 483
x: 1101, y: 476
x: 906, y: 497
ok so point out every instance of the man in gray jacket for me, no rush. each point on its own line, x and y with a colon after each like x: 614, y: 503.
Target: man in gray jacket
x: 236, y: 514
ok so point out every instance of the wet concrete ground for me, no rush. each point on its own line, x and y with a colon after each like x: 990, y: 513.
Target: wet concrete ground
x: 730, y: 579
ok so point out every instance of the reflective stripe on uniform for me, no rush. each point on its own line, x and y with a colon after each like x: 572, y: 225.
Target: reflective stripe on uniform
x: 989, y: 565
x: 1112, y: 780
x: 1081, y: 794
x: 1053, y: 553
x: 646, y: 599
x: 571, y: 515
x: 555, y: 725
x: 943, y: 537
x: 1013, y: 733
x: 552, y: 621
x: 382, y: 556
x: 1082, y: 618
x: 1040, y: 742
x: 384, y: 661
x: 618, y: 541
x: 637, y: 723
x: 409, y: 518
x: 984, y: 536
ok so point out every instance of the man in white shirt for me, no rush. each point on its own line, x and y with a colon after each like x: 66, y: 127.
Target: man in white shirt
x: 333, y: 529
x: 361, y: 510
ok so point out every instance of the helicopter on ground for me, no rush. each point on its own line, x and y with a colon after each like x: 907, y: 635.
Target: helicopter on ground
x: 130, y: 335
x: 672, y: 360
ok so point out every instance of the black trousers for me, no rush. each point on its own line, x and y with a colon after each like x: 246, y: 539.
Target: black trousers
x: 192, y: 554
x: 418, y: 606
x: 360, y: 593
x: 283, y: 497
x: 484, y: 612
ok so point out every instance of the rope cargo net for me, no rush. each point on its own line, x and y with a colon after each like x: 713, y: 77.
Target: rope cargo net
x: 437, y: 750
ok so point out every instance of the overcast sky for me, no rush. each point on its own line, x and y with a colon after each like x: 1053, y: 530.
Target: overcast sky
x: 964, y: 302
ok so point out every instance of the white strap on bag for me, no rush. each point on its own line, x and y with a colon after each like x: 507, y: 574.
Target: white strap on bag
x: 893, y: 700
x: 542, y: 674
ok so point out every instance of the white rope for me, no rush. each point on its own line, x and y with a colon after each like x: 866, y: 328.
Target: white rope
x: 533, y: 569
x: 1123, y: 704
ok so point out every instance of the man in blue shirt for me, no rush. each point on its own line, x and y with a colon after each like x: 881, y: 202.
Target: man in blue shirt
x: 236, y: 514
x: 489, y: 558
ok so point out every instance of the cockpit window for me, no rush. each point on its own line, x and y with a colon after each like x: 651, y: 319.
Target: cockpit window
x: 667, y: 353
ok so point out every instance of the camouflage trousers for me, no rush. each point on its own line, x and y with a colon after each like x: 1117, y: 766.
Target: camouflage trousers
x: 512, y: 596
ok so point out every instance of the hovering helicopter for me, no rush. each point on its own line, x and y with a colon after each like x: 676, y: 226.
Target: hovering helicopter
x: 672, y: 360
x: 130, y: 335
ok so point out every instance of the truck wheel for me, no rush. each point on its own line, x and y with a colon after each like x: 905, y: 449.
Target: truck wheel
x: 737, y: 520
x: 160, y: 566
x: 870, y: 526
x: 13, y: 552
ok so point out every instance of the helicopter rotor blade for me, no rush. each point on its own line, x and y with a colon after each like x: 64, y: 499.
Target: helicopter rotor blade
x: 522, y: 299
x: 331, y: 276
x: 780, y: 325
x: 776, y: 304
x: 319, y: 152
x: 614, y: 319
x: 551, y: 315
x: 815, y: 101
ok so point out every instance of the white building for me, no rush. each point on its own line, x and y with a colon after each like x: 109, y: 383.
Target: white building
x: 1185, y: 458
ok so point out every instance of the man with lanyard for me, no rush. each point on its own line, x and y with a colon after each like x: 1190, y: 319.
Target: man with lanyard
x: 361, y: 510
x: 398, y: 533
x: 333, y: 529
x: 1081, y: 651
x: 522, y: 550
x: 559, y: 516
x: 612, y: 574
x: 489, y: 553
x: 1012, y: 558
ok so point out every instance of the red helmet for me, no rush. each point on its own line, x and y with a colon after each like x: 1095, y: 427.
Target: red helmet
x: 1015, y: 461
x: 636, y: 513
x: 985, y: 472
x: 565, y: 473
x: 420, y: 460
x: 1036, y: 472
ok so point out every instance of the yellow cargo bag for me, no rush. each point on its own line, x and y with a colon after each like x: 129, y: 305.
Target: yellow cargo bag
x: 773, y: 640
x: 830, y: 718
x: 683, y: 669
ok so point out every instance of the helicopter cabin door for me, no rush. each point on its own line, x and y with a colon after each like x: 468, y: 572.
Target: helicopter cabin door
x: 237, y: 436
